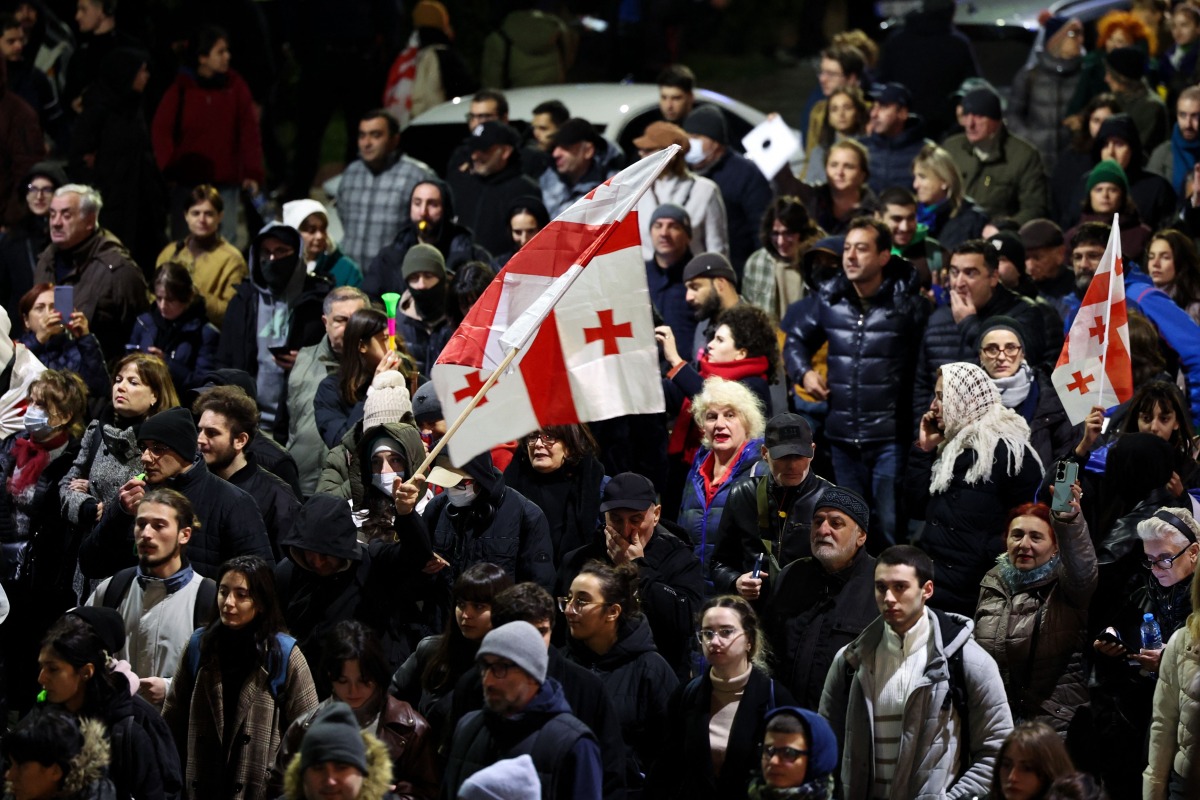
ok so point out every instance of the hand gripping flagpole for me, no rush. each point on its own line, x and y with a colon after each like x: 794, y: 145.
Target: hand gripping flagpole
x: 521, y: 332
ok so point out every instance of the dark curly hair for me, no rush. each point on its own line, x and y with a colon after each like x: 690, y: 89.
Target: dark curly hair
x: 754, y: 332
x: 791, y: 211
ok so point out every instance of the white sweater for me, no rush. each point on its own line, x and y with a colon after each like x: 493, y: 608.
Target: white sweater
x: 899, y: 664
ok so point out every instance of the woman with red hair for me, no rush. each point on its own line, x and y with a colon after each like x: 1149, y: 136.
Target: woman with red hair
x: 1114, y: 30
x: 1032, y: 611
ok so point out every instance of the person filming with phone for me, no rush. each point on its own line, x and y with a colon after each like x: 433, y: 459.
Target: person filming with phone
x: 62, y: 340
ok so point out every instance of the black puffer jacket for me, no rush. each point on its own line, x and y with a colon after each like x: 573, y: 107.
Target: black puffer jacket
x: 789, y: 513
x: 230, y: 525
x: 964, y: 525
x: 276, y: 501
x: 946, y: 340
x: 378, y: 584
x: 639, y: 682
x: 812, y: 615
x: 872, y: 352
x: 145, y: 763
x: 500, y: 527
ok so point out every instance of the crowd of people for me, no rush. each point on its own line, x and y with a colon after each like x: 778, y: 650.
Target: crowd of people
x: 863, y: 553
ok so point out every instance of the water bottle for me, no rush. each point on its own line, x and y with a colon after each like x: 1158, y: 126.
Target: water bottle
x: 1151, y: 634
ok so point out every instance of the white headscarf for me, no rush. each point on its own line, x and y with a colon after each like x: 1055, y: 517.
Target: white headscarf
x: 975, y: 419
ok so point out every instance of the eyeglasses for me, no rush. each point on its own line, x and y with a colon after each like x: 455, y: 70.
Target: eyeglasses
x: 1164, y: 563
x: 993, y: 350
x: 546, y: 438
x: 44, y: 191
x: 784, y: 234
x: 706, y: 635
x: 282, y: 252
x: 155, y: 449
x: 576, y: 605
x: 497, y: 668
x: 788, y: 754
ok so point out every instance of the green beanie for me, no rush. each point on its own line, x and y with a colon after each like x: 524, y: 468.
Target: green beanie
x: 1107, y: 171
x: 423, y: 258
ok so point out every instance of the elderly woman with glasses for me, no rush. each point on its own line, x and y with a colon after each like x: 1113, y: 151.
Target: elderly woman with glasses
x: 610, y: 637
x: 556, y: 468
x: 1025, y: 389
x: 716, y: 722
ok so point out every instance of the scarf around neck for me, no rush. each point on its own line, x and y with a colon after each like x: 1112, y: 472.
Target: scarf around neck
x: 1015, y: 388
x: 1183, y: 158
x: 685, y: 436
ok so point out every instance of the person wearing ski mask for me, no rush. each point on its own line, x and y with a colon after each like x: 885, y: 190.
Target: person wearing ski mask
x: 273, y: 313
x: 477, y: 518
x: 431, y: 221
x: 423, y: 320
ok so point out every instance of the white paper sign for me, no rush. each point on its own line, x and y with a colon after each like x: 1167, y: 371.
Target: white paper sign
x: 770, y: 145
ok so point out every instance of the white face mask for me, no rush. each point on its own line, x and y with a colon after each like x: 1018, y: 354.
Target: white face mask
x: 383, y: 480
x: 695, y: 154
x: 461, y: 495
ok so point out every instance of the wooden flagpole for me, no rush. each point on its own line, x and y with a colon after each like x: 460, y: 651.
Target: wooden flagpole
x: 437, y: 448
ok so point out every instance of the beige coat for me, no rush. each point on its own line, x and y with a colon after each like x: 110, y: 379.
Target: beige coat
x: 1176, y: 715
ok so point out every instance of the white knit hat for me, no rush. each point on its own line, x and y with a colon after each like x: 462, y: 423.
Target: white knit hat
x: 387, y: 400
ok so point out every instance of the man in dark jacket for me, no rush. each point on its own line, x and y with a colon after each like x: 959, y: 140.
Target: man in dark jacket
x: 976, y: 295
x: 477, y: 518
x: 822, y: 603
x: 492, y: 180
x: 894, y: 137
x: 743, y: 188
x: 228, y: 423
x: 767, y: 518
x: 274, y: 312
x: 583, y: 159
x: 329, y: 576
x: 431, y: 215
x: 670, y: 577
x: 583, y: 690
x: 230, y: 524
x: 525, y: 714
x: 671, y: 238
x: 110, y: 289
x: 873, y: 319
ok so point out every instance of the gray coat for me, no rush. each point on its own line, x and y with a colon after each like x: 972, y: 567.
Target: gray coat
x: 116, y: 461
x: 930, y: 762
x: 313, y: 364
x: 1040, y: 94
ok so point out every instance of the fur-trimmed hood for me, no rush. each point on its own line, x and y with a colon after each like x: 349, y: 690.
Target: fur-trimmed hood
x: 88, y: 776
x: 375, y: 784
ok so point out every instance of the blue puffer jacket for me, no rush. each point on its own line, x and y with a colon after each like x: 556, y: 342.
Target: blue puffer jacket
x: 188, y: 342
x: 872, y: 352
x: 701, y: 519
x: 82, y: 356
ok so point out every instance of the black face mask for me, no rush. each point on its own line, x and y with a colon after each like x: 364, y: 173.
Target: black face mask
x: 430, y: 303
x: 278, y: 273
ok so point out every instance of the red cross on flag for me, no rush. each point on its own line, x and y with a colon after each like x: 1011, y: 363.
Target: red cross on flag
x: 574, y: 303
x: 1094, y: 368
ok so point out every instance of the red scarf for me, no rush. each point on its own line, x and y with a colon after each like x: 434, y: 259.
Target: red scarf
x: 31, y: 457
x: 685, y: 438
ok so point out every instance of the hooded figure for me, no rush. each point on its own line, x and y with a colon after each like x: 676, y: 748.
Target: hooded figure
x: 963, y: 490
x: 24, y: 241
x: 822, y: 760
x: 79, y: 748
x: 278, y: 307
x: 479, y: 519
x: 330, y: 262
x: 455, y: 242
x: 329, y: 576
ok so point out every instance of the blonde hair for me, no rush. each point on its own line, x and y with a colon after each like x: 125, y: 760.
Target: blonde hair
x: 720, y: 393
x: 941, y: 163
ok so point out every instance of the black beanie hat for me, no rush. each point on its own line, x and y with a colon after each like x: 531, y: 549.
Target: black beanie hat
x: 334, y: 735
x: 173, y: 428
x: 106, y: 622
x: 708, y: 121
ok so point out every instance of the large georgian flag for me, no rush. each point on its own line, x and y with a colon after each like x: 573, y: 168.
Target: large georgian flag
x: 1094, y: 368
x: 574, y: 301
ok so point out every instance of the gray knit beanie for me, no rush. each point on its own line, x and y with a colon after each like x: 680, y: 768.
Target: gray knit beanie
x: 423, y: 258
x: 521, y: 644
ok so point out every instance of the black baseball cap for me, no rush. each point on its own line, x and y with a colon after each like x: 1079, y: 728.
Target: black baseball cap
x: 789, y: 435
x: 887, y: 94
x: 628, y: 490
x: 574, y: 131
x: 490, y: 133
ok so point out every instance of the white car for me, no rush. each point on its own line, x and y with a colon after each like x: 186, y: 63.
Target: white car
x: 620, y: 111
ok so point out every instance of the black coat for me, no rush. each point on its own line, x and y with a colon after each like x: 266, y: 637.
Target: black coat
x: 964, y: 525
x: 685, y: 769
x: 569, y: 497
x: 813, y: 614
x: 671, y: 589
x: 639, y: 682
x: 746, y: 194
x: 145, y: 761
x: 276, y: 501
x: 585, y: 693
x: 20, y: 247
x: 424, y: 342
x: 272, y: 457
x: 740, y: 539
x: 230, y: 525
x: 872, y: 352
x: 456, y: 244
x: 951, y: 231
x: 483, y: 202
x: 188, y: 342
x: 379, y: 585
